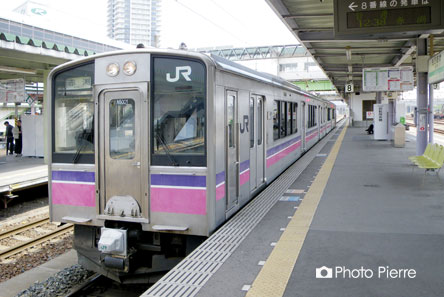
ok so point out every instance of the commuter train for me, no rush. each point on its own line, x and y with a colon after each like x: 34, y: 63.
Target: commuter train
x: 152, y: 150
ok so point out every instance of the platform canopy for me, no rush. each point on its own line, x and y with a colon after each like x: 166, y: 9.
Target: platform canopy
x: 342, y: 57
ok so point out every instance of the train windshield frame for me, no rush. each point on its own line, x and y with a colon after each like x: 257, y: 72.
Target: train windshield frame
x: 178, y: 111
x: 73, y: 115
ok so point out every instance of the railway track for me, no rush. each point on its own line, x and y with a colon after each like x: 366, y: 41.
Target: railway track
x: 98, y: 285
x: 13, y: 241
x: 436, y: 130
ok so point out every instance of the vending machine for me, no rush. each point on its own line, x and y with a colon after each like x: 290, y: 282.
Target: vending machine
x: 381, y: 122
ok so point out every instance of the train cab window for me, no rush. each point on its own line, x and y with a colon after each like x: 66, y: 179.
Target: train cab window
x: 73, y: 115
x: 178, y: 107
x: 294, y: 118
x: 122, y: 129
x: 275, y: 120
x: 251, y: 122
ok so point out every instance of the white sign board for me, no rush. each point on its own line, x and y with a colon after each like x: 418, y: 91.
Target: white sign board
x: 387, y: 79
x: 12, y: 90
x: 436, y: 68
x: 369, y: 115
x: 349, y: 88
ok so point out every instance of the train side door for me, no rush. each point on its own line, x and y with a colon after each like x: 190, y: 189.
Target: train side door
x: 253, y: 147
x: 120, y: 125
x: 260, y: 152
x: 232, y: 145
x: 256, y: 142
x: 303, y: 125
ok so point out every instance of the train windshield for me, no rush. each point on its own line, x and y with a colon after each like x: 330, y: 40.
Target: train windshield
x: 178, y: 112
x: 73, y: 115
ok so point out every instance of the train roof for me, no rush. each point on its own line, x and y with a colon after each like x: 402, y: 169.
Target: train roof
x: 219, y: 62
x: 231, y: 66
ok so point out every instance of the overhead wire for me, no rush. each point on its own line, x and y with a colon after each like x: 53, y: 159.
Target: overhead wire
x: 210, y: 21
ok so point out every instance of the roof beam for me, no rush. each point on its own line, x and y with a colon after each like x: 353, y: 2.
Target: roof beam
x: 397, y: 61
x: 329, y: 37
x: 306, y: 16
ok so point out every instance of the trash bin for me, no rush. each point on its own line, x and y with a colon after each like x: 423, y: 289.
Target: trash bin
x: 2, y: 151
x: 399, y: 137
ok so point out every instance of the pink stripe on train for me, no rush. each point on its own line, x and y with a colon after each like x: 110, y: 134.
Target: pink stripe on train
x: 282, y: 154
x: 220, y: 191
x: 179, y: 200
x: 73, y: 194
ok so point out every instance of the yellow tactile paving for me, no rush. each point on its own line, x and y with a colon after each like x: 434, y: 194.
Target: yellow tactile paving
x: 274, y: 275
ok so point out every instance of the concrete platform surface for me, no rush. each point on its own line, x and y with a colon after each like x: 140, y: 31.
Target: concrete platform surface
x: 23, y: 281
x: 20, y: 169
x: 378, y: 228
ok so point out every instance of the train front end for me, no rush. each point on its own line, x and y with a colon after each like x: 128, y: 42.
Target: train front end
x: 129, y: 159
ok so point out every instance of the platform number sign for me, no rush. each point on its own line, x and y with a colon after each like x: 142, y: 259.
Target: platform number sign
x: 349, y: 88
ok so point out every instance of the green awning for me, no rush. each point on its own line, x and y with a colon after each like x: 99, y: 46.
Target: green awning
x: 320, y: 85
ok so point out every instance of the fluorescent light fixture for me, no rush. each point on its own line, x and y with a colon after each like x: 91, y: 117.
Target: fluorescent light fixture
x: 17, y: 70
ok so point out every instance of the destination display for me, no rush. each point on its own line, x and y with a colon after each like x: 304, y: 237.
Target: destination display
x: 362, y: 17
x: 387, y: 79
x: 389, y: 17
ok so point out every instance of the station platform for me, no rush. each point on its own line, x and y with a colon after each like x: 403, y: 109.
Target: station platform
x: 19, y: 173
x: 352, y: 206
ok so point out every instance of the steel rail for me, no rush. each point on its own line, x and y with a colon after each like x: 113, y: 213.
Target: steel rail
x: 27, y: 244
x: 24, y: 228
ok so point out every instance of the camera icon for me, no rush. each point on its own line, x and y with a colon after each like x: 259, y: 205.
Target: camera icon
x: 324, y: 272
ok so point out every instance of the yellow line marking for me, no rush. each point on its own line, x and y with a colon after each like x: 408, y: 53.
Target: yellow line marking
x: 273, y: 277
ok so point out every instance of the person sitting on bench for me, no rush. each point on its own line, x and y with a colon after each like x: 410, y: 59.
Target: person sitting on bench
x: 370, y: 129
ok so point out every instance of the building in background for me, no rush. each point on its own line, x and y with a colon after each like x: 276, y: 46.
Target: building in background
x: 134, y: 21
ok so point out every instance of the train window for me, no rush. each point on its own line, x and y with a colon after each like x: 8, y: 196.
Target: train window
x: 289, y: 115
x: 283, y: 119
x: 311, y: 116
x: 260, y: 114
x: 275, y: 120
x: 73, y: 115
x: 294, y: 118
x: 251, y: 122
x: 178, y: 112
x: 230, y: 119
x: 315, y: 116
x: 122, y: 129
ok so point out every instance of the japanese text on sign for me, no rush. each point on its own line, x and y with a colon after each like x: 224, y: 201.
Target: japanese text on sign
x: 382, y: 4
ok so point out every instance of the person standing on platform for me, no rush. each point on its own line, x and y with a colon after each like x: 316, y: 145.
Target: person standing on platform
x: 9, y: 139
x: 17, y: 132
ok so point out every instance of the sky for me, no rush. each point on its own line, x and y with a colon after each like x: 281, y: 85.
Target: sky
x: 197, y: 23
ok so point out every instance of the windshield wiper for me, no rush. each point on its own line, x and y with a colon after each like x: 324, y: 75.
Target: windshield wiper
x: 166, y: 149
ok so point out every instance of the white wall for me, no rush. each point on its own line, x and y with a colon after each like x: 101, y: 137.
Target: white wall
x: 356, y: 104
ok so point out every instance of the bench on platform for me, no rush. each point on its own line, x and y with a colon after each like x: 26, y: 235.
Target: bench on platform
x: 431, y: 160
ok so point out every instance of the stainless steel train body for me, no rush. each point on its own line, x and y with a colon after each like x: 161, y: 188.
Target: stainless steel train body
x: 152, y: 150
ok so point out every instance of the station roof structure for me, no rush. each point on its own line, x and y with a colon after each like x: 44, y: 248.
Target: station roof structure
x: 343, y: 58
x: 29, y: 47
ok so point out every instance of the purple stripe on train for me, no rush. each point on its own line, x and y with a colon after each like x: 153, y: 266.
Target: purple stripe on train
x: 220, y: 177
x: 178, y: 180
x: 282, y: 146
x: 73, y: 176
x: 79, y: 193
x: 244, y: 165
x: 173, y: 193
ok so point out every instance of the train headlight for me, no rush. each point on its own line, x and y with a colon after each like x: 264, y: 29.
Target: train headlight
x: 112, y: 69
x: 129, y: 68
